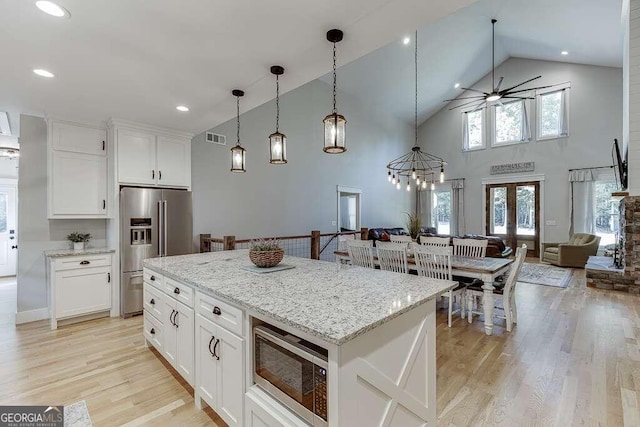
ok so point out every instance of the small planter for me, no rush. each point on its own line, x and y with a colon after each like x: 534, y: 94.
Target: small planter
x: 266, y: 259
x: 78, y: 246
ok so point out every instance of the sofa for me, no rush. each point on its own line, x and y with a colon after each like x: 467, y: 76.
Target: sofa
x: 383, y: 233
x: 573, y: 253
x: 495, y: 246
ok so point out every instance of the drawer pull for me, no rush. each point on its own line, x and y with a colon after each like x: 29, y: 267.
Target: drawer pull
x: 85, y: 262
x: 176, y: 291
x: 217, y: 311
x: 153, y: 278
x: 152, y: 302
x: 215, y: 346
x: 211, y: 342
x: 152, y: 331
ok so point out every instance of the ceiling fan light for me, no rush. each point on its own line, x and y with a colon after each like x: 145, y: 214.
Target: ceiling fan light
x: 493, y: 97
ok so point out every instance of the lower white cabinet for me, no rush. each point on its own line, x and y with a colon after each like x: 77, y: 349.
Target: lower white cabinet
x: 220, y: 370
x: 262, y: 411
x: 178, y: 338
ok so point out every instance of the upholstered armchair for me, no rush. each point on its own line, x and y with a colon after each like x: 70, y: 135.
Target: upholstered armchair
x: 573, y: 253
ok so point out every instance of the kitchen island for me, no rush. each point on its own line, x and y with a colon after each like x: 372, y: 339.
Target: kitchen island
x: 377, y: 327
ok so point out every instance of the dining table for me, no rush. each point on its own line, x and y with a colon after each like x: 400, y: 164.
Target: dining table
x: 486, y: 269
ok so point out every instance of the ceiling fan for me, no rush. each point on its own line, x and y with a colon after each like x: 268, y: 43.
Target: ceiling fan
x: 496, y: 95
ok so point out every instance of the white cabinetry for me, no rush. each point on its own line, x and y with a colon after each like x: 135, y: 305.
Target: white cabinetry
x: 152, y: 156
x: 79, y: 286
x: 77, y: 166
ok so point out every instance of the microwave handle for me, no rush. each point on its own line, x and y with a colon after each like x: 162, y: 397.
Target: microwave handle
x: 292, y: 348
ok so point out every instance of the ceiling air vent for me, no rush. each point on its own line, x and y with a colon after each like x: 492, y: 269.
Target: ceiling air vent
x: 5, y: 129
x: 214, y: 138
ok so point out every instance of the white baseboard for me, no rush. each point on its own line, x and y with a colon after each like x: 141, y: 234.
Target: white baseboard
x: 32, y: 315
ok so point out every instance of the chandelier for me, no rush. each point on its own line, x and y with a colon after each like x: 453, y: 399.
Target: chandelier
x: 417, y: 165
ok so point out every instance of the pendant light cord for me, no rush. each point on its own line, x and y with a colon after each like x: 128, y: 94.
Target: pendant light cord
x: 335, y: 110
x: 277, y: 103
x: 238, y: 118
x: 415, y: 117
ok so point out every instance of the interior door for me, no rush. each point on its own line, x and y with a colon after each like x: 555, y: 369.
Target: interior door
x: 8, y: 231
x: 513, y: 214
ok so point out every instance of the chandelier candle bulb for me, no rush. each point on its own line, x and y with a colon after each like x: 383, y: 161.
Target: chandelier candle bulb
x: 408, y: 186
x: 441, y: 174
x: 424, y: 184
x: 389, y: 176
x: 418, y: 181
x: 398, y: 185
x: 433, y: 185
x: 413, y: 173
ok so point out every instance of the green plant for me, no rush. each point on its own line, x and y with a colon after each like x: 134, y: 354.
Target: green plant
x: 79, y: 237
x: 264, y: 245
x: 414, y: 224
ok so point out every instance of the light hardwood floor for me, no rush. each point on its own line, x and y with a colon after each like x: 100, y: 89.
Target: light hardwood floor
x: 573, y: 359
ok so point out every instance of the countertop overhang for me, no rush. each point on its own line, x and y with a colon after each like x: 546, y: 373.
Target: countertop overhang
x: 331, y: 303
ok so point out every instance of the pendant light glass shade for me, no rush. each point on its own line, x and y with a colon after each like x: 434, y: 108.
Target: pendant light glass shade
x: 334, y: 124
x: 238, y: 153
x: 277, y: 140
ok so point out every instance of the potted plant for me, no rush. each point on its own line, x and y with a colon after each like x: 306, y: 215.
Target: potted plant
x: 79, y: 239
x: 265, y: 253
x: 414, y: 224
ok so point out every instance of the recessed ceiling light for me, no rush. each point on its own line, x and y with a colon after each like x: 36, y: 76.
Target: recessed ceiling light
x: 457, y: 85
x: 564, y: 52
x: 406, y: 40
x: 182, y: 108
x: 43, y: 73
x: 52, y: 9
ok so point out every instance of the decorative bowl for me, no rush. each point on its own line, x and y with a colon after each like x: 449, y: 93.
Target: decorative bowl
x: 265, y: 259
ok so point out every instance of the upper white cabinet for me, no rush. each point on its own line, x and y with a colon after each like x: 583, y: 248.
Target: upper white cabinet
x: 77, y: 171
x: 152, y: 156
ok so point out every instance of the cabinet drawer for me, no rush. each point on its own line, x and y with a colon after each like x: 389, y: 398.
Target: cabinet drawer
x: 153, y: 301
x: 80, y: 262
x: 153, y: 278
x: 180, y: 292
x: 153, y: 331
x: 220, y: 313
x: 79, y: 138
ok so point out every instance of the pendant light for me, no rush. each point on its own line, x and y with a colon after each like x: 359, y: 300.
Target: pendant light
x: 277, y: 140
x: 334, y: 123
x: 238, y: 154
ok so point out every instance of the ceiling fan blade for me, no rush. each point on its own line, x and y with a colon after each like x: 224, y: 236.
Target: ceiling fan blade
x: 499, y: 84
x: 517, y: 97
x: 527, y: 90
x: 474, y: 90
x: 477, y: 107
x: 464, y: 105
x: 465, y: 97
x: 518, y: 85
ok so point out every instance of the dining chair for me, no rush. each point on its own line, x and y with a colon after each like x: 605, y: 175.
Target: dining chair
x: 473, y: 248
x: 342, y: 241
x: 504, y: 292
x: 361, y: 252
x: 400, y: 238
x: 393, y: 257
x: 442, y: 242
x: 435, y: 262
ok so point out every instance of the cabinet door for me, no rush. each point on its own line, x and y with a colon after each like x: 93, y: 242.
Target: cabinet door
x: 185, y: 347
x: 170, y: 331
x: 79, y: 185
x: 82, y: 291
x: 174, y: 162
x: 206, y: 364
x: 79, y: 138
x: 230, y: 349
x: 136, y: 157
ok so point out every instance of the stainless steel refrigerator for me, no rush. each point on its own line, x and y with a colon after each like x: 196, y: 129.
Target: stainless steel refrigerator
x: 153, y: 222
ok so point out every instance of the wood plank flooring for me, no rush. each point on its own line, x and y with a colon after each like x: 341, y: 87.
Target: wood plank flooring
x: 573, y: 359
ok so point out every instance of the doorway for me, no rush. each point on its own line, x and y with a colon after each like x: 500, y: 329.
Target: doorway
x: 8, y: 229
x: 348, y: 208
x: 513, y: 214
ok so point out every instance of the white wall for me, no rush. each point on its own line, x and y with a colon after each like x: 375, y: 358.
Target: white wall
x: 300, y: 196
x: 36, y: 233
x: 595, y: 120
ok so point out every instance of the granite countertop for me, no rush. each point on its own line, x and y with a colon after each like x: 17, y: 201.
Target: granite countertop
x: 335, y: 305
x: 57, y: 253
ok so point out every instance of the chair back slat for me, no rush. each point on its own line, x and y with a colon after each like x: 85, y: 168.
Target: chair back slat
x: 512, y: 278
x: 393, y: 257
x: 361, y: 252
x: 473, y: 248
x: 400, y: 238
x: 342, y: 241
x: 433, y: 261
x: 441, y: 242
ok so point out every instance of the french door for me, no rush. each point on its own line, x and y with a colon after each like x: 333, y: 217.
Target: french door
x: 513, y: 214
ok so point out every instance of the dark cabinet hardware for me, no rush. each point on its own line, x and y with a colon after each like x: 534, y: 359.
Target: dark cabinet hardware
x: 104, y: 204
x: 211, y: 342
x: 215, y: 346
x: 103, y: 145
x: 108, y: 277
x: 175, y: 319
x: 152, y: 302
x: 159, y: 175
x: 171, y: 317
x: 152, y: 331
x: 14, y: 247
x: 153, y: 278
x: 216, y: 311
x: 176, y: 291
x: 85, y: 262
x: 12, y: 237
x: 153, y: 174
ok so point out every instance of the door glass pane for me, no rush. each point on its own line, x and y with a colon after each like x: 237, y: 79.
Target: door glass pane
x: 607, y: 217
x: 3, y: 212
x: 441, y: 211
x: 498, y: 211
x: 526, y: 210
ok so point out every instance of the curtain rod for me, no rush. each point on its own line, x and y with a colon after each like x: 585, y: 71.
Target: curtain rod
x: 595, y: 167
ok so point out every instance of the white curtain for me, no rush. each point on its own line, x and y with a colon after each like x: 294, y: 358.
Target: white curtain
x: 458, y: 226
x: 423, y: 201
x: 465, y: 131
x: 525, y: 130
x: 564, y: 119
x: 582, y: 201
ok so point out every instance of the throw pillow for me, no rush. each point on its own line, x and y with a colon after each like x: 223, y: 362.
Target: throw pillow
x: 384, y: 237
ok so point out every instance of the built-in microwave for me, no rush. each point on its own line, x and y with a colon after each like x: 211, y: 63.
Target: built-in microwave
x: 293, y: 371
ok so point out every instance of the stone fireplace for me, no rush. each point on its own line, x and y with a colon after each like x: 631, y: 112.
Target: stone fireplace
x: 600, y: 271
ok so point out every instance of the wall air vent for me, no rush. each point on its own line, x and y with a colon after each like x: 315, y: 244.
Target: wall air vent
x: 5, y: 129
x: 214, y: 138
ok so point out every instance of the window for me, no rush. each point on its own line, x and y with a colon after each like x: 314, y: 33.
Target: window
x: 441, y: 211
x: 510, y: 123
x: 473, y: 130
x: 553, y: 117
x: 606, y: 215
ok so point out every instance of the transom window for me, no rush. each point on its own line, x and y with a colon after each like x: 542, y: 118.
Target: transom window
x: 553, y: 114
x: 510, y: 123
x: 473, y: 130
